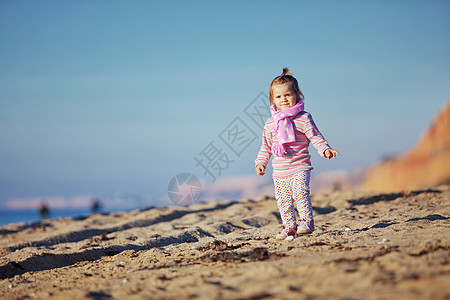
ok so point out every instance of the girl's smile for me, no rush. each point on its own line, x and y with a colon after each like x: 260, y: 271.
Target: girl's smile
x: 284, y: 96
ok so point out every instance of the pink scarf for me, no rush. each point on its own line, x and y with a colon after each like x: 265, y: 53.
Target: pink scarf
x: 283, y: 126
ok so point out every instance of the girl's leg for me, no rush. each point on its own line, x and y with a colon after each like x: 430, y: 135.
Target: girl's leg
x: 283, y: 194
x: 300, y: 193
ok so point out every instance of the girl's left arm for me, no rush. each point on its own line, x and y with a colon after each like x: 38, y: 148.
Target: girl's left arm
x: 316, y: 138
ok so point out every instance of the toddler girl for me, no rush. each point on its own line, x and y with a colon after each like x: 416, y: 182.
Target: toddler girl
x: 287, y: 135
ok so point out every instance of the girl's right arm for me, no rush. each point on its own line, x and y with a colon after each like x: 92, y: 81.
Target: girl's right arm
x: 265, y: 152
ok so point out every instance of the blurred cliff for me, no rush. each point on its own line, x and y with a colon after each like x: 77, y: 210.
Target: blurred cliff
x: 426, y: 165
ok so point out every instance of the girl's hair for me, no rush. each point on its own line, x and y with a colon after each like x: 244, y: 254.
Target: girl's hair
x: 286, y: 77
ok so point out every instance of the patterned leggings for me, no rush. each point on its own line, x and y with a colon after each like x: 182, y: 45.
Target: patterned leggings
x: 290, y: 189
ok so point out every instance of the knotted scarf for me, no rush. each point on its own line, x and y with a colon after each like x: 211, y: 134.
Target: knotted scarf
x: 283, y: 126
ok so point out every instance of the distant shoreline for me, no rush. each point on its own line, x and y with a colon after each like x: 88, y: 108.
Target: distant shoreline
x: 28, y: 216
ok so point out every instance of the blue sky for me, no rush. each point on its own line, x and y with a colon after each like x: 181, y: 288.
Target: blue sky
x: 116, y: 97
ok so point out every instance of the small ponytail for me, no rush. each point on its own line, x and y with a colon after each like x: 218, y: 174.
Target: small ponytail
x: 286, y: 72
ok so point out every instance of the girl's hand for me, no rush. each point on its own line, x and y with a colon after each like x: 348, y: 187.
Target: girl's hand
x: 331, y: 153
x: 260, y: 170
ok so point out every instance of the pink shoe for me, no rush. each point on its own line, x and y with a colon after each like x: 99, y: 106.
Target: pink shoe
x: 306, y: 227
x: 287, y: 233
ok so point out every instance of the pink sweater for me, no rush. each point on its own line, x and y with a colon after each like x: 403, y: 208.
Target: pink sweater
x: 297, y: 156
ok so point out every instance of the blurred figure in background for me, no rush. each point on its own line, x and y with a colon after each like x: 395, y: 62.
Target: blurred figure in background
x: 96, y: 205
x: 44, y: 211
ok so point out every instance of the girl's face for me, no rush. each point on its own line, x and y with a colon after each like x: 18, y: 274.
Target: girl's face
x: 284, y: 96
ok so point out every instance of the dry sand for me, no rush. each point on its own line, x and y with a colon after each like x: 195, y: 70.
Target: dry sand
x: 366, y: 246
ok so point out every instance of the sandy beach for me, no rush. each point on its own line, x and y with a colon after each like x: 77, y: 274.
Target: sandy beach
x: 366, y: 246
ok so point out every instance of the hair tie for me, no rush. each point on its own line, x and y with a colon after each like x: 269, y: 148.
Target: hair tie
x: 282, y: 74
